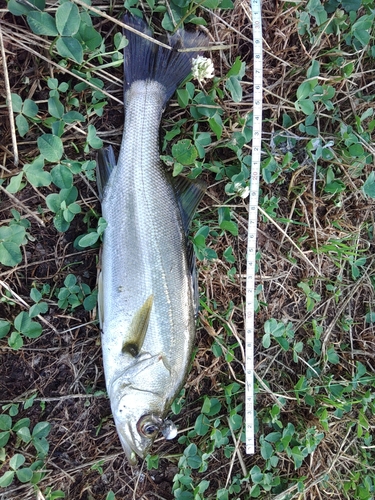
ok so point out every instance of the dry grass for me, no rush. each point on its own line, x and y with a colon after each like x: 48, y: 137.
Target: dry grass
x: 64, y: 365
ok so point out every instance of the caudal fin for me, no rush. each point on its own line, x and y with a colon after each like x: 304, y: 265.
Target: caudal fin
x: 145, y: 60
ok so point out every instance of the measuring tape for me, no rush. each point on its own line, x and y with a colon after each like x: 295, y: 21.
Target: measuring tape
x: 252, y: 227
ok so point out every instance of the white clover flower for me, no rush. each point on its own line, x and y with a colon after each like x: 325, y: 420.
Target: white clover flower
x: 241, y: 190
x: 202, y: 68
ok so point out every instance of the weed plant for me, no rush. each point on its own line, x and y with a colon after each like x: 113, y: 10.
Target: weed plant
x: 315, y: 290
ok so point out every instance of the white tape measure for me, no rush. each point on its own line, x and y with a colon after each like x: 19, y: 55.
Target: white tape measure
x: 253, y: 219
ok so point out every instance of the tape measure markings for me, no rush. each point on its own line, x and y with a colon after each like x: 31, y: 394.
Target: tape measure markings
x: 252, y: 224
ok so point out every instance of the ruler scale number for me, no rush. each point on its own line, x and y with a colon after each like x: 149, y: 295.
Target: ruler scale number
x: 252, y: 223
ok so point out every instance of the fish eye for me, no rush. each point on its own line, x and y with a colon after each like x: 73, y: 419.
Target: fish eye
x: 149, y: 425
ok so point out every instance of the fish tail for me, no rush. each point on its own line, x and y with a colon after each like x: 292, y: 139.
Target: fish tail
x: 145, y: 60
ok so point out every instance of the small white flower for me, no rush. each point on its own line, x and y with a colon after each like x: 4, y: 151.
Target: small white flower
x: 241, y: 190
x: 202, y: 68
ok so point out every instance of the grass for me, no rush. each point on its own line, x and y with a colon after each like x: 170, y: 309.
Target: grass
x: 315, y: 283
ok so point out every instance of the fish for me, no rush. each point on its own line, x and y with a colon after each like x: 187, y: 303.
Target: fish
x: 147, y: 290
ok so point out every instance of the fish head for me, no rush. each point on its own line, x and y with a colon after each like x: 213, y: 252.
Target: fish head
x: 139, y: 419
x: 139, y: 402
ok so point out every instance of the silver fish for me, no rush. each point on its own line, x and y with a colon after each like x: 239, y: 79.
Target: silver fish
x: 147, y: 288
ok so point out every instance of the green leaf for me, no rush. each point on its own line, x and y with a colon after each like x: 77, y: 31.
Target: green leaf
x: 211, y: 4
x: 120, y: 41
x: 266, y: 340
x: 34, y: 331
x: 88, y: 240
x: 92, y: 138
x: 20, y: 9
x: 55, y: 108
x: 361, y: 29
x: 42, y: 23
x: 316, y: 9
x: 69, y: 195
x: 24, y: 434
x: 4, y: 330
x: 15, y: 340
x: 29, y: 401
x: 42, y: 446
x: 60, y: 223
x: 368, y: 187
x: 351, y: 5
x: 41, y: 429
x: 202, y: 425
x: 30, y: 108
x: 266, y: 449
x: 70, y: 47
x: 67, y: 19
x: 216, y: 125
x: 62, y: 177
x: 332, y: 356
x: 10, y: 253
x: 183, y: 97
x: 16, y: 103
x: 36, y: 174
x: 238, y: 69
x: 23, y: 422
x: 22, y: 125
x: 24, y: 475
x: 184, y: 152
x: 307, y: 106
x: 6, y: 479
x: 51, y: 147
x: 22, y: 322
x: 90, y: 301
x: 303, y: 90
x: 15, y: 233
x: 5, y: 422
x: 73, y: 116
x: 233, y: 85
x: 228, y: 255
x: 53, y: 202
x: 226, y: 4
x: 90, y: 36
x: 229, y: 225
x: 177, y: 169
x: 356, y: 150
x: 15, y: 183
x: 211, y: 406
x: 36, y: 309
x: 16, y: 461
x: 4, y: 438
x: 314, y: 69
x: 297, y: 457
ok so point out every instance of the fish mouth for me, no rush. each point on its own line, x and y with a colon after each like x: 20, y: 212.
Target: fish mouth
x: 131, y: 455
x: 132, y: 451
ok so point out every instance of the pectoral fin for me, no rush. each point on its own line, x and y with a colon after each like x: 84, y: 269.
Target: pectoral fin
x: 138, y: 329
